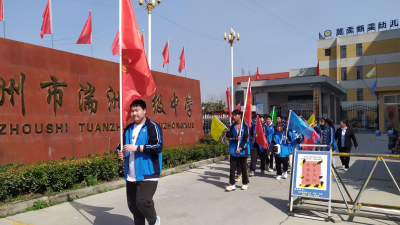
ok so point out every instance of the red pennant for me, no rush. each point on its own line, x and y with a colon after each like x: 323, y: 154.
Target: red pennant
x: 46, y: 25
x: 86, y: 35
x: 1, y: 11
x: 182, y: 65
x: 115, y: 45
x: 228, y: 99
x: 247, y: 113
x: 260, y: 139
x: 317, y: 72
x: 257, y: 74
x: 165, y: 54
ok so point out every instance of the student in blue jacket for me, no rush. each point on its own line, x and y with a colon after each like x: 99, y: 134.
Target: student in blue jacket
x: 142, y: 150
x: 284, y: 143
x: 239, y: 148
x: 269, y: 131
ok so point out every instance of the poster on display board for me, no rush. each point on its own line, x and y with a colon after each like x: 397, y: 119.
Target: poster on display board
x: 312, y: 174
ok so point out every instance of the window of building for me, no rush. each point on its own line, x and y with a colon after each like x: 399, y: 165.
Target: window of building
x: 344, y: 97
x: 398, y: 99
x: 359, y: 72
x: 360, y: 94
x: 328, y: 52
x: 239, y: 95
x: 344, y: 73
x: 359, y: 49
x: 390, y: 99
x: 343, y: 52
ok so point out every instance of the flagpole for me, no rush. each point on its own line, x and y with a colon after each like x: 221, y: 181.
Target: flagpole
x: 121, y: 107
x: 51, y: 25
x: 91, y: 36
x: 377, y: 95
x: 244, y: 111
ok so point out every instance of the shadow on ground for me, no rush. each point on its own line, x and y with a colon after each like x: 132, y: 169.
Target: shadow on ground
x: 101, y: 214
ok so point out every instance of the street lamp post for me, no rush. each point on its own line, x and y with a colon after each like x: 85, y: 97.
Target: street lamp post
x: 149, y: 5
x: 232, y: 38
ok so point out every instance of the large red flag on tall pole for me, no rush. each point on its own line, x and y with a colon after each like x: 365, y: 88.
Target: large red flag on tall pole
x: 317, y: 72
x: 261, y: 139
x: 165, y: 54
x: 86, y: 34
x: 115, y: 45
x: 257, y: 74
x: 46, y: 25
x: 1, y: 10
x: 182, y: 64
x: 247, y: 114
x: 136, y: 79
x: 228, y: 99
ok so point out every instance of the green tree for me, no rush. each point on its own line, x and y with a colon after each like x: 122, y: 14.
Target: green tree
x: 213, y: 106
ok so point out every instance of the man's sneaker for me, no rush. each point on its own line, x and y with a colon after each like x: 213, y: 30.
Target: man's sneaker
x: 278, y: 177
x: 343, y: 166
x: 345, y: 169
x: 158, y: 221
x: 230, y: 188
x: 251, y: 173
x: 262, y: 171
x: 284, y: 175
x: 245, y: 187
x: 270, y: 170
x: 238, y: 177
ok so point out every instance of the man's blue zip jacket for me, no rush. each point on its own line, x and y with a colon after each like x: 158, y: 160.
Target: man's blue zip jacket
x: 286, y: 146
x: 244, y: 144
x: 253, y: 144
x: 148, y: 164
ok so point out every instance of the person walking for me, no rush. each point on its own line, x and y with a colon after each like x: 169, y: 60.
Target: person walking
x: 269, y: 132
x: 142, y: 150
x: 344, y: 136
x: 239, y: 148
x: 328, y: 135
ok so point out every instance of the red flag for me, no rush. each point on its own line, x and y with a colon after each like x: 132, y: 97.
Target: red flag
x: 311, y: 140
x: 115, y: 45
x: 317, y: 72
x: 137, y: 81
x: 238, y: 107
x: 228, y: 99
x: 247, y: 113
x: 260, y: 139
x: 257, y: 74
x: 86, y: 35
x: 46, y: 25
x: 182, y: 65
x: 1, y: 11
x: 165, y: 54
x: 143, y: 39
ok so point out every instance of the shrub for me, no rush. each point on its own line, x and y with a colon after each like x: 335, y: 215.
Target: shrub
x: 44, y: 177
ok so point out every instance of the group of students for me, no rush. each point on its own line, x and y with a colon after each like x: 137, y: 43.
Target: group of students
x: 281, y: 144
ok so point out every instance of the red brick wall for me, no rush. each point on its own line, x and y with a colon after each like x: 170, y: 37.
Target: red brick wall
x: 73, y: 139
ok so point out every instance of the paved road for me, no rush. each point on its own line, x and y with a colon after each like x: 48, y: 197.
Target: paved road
x: 197, y: 197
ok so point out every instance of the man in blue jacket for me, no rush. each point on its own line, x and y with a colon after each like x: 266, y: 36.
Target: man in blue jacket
x: 239, y: 148
x: 142, y: 150
x: 269, y: 132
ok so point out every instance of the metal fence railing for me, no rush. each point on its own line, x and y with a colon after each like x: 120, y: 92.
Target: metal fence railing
x: 207, y: 119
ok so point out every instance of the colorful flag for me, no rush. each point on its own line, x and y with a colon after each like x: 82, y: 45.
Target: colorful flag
x: 373, y: 71
x: 228, y: 99
x: 373, y: 88
x: 257, y: 74
x: 115, y: 45
x: 273, y: 115
x: 238, y: 106
x: 165, y: 54
x: 310, y: 141
x: 297, y: 124
x: 1, y: 10
x: 247, y: 112
x: 86, y: 35
x: 217, y: 128
x: 317, y: 72
x: 46, y: 25
x: 311, y: 120
x: 261, y: 139
x: 182, y: 65
x: 137, y: 81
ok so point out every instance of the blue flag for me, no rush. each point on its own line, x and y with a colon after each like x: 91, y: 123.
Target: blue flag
x: 297, y: 124
x: 373, y: 88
